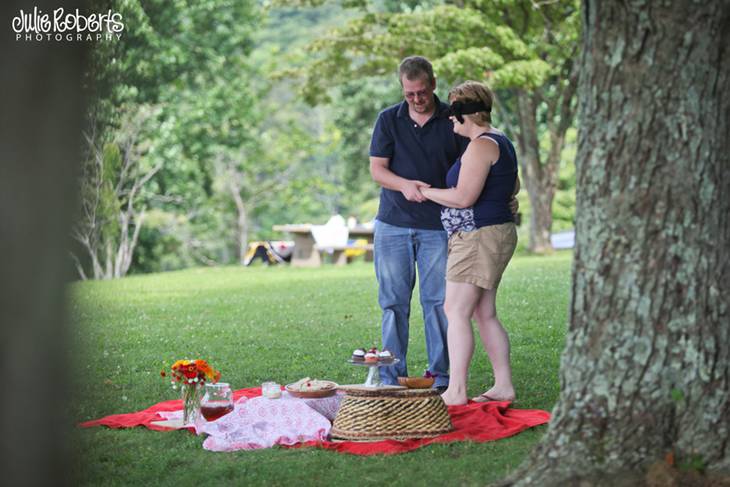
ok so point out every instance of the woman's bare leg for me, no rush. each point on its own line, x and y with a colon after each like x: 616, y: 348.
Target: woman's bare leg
x: 459, y: 305
x: 496, y: 343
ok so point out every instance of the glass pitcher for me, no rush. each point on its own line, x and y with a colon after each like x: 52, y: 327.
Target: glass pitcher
x: 217, y: 401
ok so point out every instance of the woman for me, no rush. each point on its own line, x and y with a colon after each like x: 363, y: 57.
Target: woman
x: 482, y: 239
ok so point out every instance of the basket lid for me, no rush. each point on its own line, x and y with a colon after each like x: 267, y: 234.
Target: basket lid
x: 387, y: 391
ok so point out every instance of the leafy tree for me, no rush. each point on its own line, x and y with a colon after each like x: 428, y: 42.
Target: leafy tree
x: 188, y: 62
x: 523, y: 49
x: 112, y: 215
x: 645, y: 376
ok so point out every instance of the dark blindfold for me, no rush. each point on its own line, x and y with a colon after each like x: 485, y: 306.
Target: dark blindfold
x: 459, y: 108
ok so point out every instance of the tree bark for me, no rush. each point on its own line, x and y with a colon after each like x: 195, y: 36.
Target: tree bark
x: 646, y: 369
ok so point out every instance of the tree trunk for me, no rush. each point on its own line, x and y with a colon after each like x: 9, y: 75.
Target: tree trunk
x: 109, y: 258
x: 646, y: 369
x: 541, y: 216
x: 539, y: 179
x: 123, y: 244
x: 139, y: 221
x: 241, y: 219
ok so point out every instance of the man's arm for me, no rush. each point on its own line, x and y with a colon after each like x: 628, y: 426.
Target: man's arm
x: 381, y: 174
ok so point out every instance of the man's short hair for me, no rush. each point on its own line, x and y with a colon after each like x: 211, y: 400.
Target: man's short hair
x: 415, y: 67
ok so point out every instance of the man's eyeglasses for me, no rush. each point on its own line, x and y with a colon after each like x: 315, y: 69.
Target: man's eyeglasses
x: 411, y: 95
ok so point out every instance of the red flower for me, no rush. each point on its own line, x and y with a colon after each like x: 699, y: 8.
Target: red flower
x: 190, y: 371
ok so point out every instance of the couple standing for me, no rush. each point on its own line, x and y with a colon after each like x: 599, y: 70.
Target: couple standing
x: 443, y: 167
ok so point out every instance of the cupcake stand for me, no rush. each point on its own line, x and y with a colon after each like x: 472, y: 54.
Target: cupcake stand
x: 373, y: 379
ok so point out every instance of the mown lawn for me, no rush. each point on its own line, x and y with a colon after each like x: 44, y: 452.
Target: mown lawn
x: 281, y: 324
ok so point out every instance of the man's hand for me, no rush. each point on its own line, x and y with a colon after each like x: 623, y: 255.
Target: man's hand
x: 514, y: 206
x: 411, y: 189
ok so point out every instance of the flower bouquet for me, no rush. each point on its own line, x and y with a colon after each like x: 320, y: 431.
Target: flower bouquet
x: 191, y: 376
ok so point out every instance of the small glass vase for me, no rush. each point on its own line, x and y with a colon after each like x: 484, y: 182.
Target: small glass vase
x: 191, y: 396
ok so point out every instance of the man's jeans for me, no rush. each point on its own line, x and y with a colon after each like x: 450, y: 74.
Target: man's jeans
x: 398, y: 252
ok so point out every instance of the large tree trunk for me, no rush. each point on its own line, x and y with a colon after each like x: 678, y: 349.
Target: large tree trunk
x: 646, y: 370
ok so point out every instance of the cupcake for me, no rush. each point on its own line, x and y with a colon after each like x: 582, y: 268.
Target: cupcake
x: 385, y: 356
x: 358, y: 355
x: 371, y: 357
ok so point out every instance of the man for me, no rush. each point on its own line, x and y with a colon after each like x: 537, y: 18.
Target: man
x: 412, y: 146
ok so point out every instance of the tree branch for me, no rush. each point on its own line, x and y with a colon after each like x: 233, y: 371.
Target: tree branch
x: 79, y: 267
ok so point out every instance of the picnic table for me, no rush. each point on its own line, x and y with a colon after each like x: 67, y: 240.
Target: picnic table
x: 307, y: 253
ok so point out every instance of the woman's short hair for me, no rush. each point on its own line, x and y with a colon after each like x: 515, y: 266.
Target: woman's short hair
x: 415, y: 67
x: 474, y: 91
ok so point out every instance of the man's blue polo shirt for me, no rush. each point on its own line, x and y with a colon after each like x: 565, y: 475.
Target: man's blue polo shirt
x: 422, y: 153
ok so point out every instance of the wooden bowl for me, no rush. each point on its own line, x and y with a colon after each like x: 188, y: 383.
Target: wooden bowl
x: 416, y: 382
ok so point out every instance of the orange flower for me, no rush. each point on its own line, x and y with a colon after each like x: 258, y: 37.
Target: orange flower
x: 209, y: 372
x: 203, y: 367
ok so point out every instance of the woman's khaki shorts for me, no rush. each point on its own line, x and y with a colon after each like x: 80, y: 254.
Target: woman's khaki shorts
x: 480, y: 257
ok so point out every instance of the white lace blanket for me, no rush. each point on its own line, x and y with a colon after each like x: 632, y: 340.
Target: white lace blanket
x: 262, y: 423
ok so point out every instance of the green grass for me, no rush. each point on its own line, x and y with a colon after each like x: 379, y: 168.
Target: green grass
x: 278, y: 323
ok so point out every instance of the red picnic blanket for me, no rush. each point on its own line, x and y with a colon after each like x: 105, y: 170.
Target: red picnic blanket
x: 478, y: 422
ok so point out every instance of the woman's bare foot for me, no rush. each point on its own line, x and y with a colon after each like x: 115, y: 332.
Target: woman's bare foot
x: 452, y: 398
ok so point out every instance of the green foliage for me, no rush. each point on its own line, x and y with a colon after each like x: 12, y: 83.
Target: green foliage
x: 367, y: 210
x: 109, y: 205
x: 157, y: 247
x: 288, y: 27
x: 354, y: 109
x: 564, y: 210
x: 257, y: 324
x: 189, y: 63
x: 464, y: 42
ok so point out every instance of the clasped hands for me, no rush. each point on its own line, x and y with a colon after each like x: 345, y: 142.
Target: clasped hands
x: 411, y: 189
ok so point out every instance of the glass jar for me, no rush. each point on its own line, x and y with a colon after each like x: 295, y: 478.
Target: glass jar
x: 271, y: 390
x: 217, y: 401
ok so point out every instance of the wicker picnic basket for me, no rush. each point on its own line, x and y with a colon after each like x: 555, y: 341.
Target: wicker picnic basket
x: 368, y: 414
